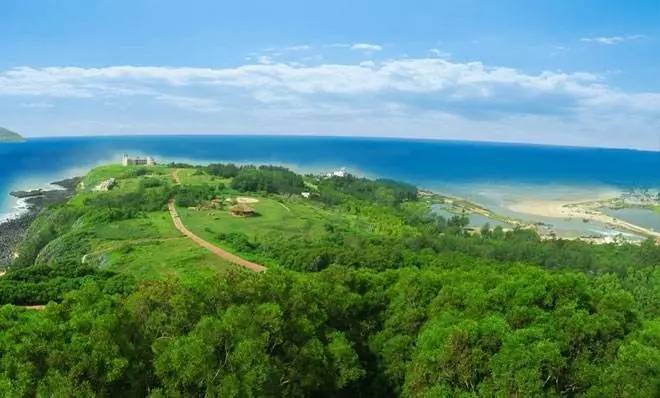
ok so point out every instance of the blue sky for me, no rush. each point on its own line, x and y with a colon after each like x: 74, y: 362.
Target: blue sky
x: 551, y: 72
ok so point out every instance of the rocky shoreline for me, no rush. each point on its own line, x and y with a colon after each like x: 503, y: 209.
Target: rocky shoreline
x: 14, y: 230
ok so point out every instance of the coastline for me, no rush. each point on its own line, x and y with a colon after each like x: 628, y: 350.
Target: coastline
x: 580, y: 218
x: 564, y: 213
x: 587, y: 211
x: 15, y: 226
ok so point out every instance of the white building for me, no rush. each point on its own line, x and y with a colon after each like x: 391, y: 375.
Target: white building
x: 148, y: 161
x: 338, y: 173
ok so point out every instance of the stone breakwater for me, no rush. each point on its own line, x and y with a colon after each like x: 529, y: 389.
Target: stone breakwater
x: 13, y: 231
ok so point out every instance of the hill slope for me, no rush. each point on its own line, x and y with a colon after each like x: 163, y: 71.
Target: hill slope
x: 10, y: 136
x: 368, y: 293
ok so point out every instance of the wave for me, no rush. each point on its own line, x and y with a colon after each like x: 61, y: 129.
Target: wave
x: 20, y: 208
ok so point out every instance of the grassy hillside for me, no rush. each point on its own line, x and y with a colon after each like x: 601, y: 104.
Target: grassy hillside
x: 10, y: 136
x: 367, y: 293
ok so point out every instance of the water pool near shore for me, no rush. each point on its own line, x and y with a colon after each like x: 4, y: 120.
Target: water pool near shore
x: 646, y: 218
x: 476, y: 220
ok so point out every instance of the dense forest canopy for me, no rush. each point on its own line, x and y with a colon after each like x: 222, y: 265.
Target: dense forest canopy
x: 382, y: 298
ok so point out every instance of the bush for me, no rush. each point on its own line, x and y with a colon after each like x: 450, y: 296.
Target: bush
x: 270, y: 179
x: 222, y: 170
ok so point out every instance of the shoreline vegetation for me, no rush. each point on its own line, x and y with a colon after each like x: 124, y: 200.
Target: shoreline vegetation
x: 368, y: 292
x: 13, y: 229
x: 586, y: 211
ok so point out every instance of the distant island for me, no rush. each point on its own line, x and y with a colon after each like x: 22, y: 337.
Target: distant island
x: 7, y: 135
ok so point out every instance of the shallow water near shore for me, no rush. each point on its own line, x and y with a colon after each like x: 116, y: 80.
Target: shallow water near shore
x: 642, y: 217
x: 492, y: 175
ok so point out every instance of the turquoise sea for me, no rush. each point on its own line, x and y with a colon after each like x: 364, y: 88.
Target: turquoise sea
x: 487, y: 173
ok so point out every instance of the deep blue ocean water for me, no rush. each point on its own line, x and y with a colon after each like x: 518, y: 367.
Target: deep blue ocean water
x: 431, y: 164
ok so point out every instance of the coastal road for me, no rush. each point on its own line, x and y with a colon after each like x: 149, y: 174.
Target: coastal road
x: 223, y: 254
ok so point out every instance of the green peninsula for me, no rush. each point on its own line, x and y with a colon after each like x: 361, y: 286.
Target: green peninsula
x: 144, y: 284
x: 10, y: 136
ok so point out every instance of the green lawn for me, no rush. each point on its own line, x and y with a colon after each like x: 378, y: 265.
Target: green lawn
x: 119, y: 172
x: 149, y: 247
x: 152, y: 225
x: 193, y: 177
x: 273, y: 217
x: 277, y: 216
x: 126, y: 182
x: 178, y: 257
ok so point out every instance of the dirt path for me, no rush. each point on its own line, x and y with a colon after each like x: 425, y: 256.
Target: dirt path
x: 223, y: 254
x: 175, y: 176
x: 38, y: 307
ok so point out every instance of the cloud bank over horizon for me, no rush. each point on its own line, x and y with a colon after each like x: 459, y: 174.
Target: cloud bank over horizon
x: 405, y: 97
x: 556, y: 73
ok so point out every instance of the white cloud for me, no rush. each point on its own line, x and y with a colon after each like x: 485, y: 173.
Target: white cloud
x: 449, y: 81
x: 36, y: 105
x: 299, y: 47
x: 203, y: 105
x: 265, y: 59
x: 439, y: 53
x: 429, y: 94
x: 611, y: 40
x: 366, y: 47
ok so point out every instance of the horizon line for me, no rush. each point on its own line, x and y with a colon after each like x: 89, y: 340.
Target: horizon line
x: 308, y: 135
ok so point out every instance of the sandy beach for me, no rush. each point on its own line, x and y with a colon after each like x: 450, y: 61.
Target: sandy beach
x: 584, y: 210
x: 543, y: 208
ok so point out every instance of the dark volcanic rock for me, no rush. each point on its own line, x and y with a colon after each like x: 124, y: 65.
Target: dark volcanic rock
x: 27, y: 194
x: 14, y: 230
x: 12, y: 233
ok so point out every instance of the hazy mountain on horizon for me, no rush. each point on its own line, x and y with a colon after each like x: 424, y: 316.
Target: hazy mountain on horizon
x: 7, y: 135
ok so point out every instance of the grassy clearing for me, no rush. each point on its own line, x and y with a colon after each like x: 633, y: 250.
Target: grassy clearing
x: 119, y: 172
x: 151, y: 260
x: 148, y: 247
x: 152, y: 225
x: 128, y: 179
x: 291, y: 218
x: 194, y: 177
x: 272, y: 218
x: 102, y: 173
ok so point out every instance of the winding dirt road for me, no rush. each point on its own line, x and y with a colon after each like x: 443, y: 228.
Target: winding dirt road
x: 223, y: 254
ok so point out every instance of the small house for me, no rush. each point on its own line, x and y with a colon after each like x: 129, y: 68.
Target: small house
x: 242, y: 210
